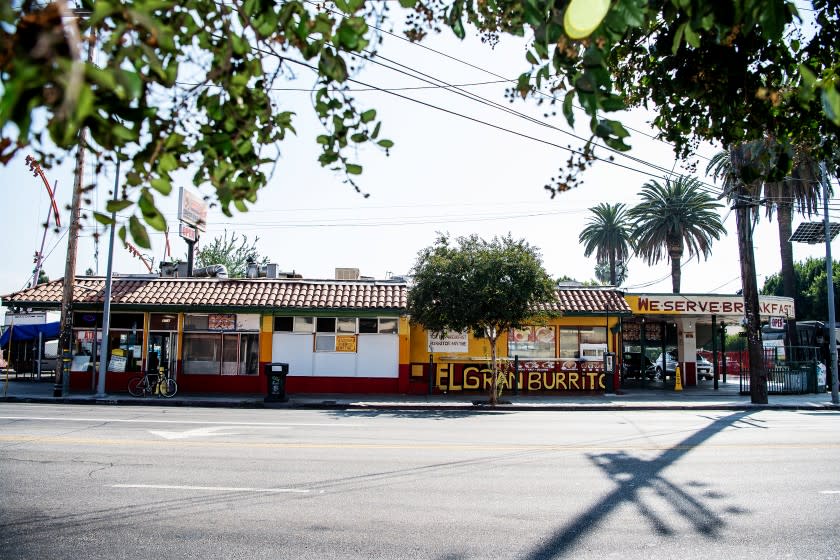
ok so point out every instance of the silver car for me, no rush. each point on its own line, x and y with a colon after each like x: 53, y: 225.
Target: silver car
x: 705, y: 370
x: 704, y: 367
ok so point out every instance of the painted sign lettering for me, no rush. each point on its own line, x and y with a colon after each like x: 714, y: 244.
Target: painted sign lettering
x: 572, y: 375
x: 668, y: 304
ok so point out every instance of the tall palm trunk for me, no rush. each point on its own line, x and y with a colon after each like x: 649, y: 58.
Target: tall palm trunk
x: 784, y: 213
x: 612, y: 268
x: 675, y: 252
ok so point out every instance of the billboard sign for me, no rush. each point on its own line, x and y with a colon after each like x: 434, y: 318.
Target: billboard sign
x: 188, y: 232
x: 192, y: 209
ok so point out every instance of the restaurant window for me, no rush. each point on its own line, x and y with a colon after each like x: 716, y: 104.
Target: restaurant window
x: 571, y: 339
x: 304, y: 324
x: 531, y: 342
x: 388, y: 325
x: 221, y: 349
x: 163, y: 322
x: 569, y: 346
x: 368, y: 325
x: 284, y: 324
x: 125, y: 342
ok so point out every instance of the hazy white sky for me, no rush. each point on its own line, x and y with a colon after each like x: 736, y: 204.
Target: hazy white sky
x: 445, y: 174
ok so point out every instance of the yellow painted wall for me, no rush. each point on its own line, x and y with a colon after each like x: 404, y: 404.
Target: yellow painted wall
x: 480, y: 348
x: 266, y: 336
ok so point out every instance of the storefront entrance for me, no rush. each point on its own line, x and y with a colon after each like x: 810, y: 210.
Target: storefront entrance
x: 161, y: 352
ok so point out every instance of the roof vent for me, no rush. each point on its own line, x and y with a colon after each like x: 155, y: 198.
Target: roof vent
x: 255, y: 270
x: 212, y: 271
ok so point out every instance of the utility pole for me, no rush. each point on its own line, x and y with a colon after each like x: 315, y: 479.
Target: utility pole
x: 65, y: 338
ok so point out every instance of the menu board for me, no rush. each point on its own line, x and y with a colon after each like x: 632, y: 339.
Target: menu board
x: 345, y: 343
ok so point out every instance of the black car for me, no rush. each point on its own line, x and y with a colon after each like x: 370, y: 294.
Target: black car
x: 631, y: 366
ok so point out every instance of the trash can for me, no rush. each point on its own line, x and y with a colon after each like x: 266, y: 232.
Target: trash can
x: 275, y: 374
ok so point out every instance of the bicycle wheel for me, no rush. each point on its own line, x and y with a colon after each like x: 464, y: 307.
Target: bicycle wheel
x: 168, y: 388
x: 136, y: 387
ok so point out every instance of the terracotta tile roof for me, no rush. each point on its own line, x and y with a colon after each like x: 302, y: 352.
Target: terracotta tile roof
x: 270, y: 293
x: 231, y: 293
x: 589, y: 300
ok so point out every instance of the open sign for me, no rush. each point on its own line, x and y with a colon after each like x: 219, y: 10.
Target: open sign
x: 777, y: 323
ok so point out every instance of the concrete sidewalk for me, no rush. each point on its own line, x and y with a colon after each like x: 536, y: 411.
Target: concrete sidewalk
x: 702, y: 397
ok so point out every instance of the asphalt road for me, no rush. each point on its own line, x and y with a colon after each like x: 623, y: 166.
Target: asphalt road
x: 149, y: 482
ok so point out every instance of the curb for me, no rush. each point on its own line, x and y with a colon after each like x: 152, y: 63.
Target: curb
x: 414, y: 407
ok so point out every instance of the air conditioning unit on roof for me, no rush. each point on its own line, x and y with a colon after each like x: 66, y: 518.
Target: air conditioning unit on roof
x: 346, y: 273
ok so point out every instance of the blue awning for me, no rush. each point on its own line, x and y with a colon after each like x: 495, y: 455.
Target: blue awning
x: 22, y: 333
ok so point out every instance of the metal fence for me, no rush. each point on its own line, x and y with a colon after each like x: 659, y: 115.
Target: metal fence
x: 786, y: 375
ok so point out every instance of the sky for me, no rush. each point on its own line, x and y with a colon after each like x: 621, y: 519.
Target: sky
x: 459, y: 166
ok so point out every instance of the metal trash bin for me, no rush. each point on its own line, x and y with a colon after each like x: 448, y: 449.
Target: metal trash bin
x: 275, y: 374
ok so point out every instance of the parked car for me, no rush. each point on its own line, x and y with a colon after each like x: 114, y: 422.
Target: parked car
x: 705, y: 370
x: 631, y: 366
x: 670, y: 365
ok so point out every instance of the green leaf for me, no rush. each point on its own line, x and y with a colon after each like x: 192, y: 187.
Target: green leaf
x: 353, y: 169
x: 368, y: 115
x: 691, y: 37
x: 567, y: 108
x: 408, y: 3
x: 151, y: 214
x: 678, y: 38
x: 385, y: 143
x: 139, y: 233
x: 332, y: 66
x: 161, y: 185
x: 375, y: 132
x: 117, y: 205
x: 103, y: 219
x: 454, y: 19
x: 167, y: 163
x: 523, y: 84
x: 121, y: 233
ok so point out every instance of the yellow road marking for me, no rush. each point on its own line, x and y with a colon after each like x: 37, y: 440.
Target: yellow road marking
x: 68, y: 440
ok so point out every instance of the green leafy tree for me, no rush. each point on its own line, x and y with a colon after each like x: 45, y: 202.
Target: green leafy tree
x: 232, y: 252
x: 811, y: 299
x: 180, y: 86
x: 487, y: 287
x: 607, y: 234
x: 673, y: 218
x: 708, y: 71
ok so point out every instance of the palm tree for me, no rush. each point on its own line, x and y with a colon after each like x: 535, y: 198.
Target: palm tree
x: 674, y: 217
x: 607, y: 234
x: 800, y: 190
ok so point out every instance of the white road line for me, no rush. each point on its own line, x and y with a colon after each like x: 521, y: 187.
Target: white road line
x: 213, y: 488
x: 192, y: 422
x: 830, y: 492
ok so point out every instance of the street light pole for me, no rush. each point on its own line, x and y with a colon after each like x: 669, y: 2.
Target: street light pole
x: 829, y: 273
x: 106, y: 312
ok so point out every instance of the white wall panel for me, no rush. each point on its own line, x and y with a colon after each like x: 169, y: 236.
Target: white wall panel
x: 295, y: 350
x: 378, y: 355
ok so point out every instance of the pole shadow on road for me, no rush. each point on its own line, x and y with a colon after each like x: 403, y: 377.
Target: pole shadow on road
x: 633, y: 477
